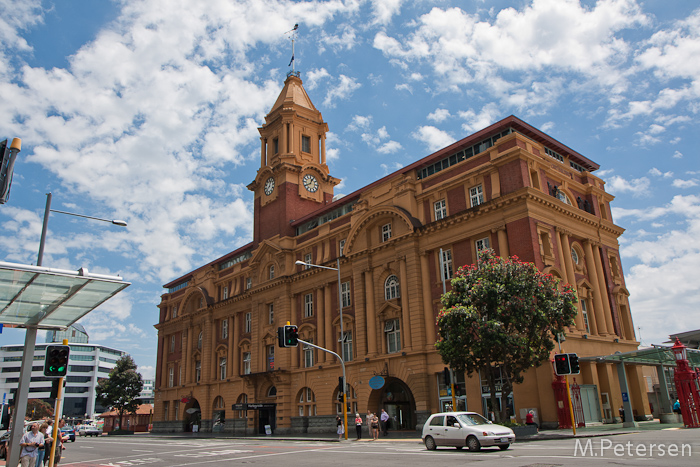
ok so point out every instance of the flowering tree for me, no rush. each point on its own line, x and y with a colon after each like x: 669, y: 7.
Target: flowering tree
x: 502, y: 315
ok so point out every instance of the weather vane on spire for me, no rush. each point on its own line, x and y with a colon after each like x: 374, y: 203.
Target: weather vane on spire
x: 293, y: 34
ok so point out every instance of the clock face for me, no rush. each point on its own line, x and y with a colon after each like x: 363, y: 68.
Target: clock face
x: 310, y: 183
x: 269, y: 185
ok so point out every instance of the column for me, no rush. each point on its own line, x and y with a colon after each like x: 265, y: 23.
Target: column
x: 597, y: 301
x: 282, y: 145
x: 570, y: 276
x: 323, y: 148
x: 235, y: 355
x: 360, y: 323
x: 164, y: 363
x: 295, y: 351
x: 503, y: 242
x: 291, y: 139
x: 405, y: 309
x: 427, y: 301
x: 231, y: 350
x: 188, y: 355
x: 603, y: 289
x: 371, y: 314
x: 626, y: 404
x: 208, y: 350
x: 262, y: 152
x: 323, y: 315
x: 665, y: 401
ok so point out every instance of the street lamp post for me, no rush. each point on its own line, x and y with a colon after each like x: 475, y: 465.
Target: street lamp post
x: 342, y: 336
x: 30, y: 344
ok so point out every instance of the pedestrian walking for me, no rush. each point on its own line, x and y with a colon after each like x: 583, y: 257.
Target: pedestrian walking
x: 384, y: 419
x: 40, y: 454
x: 341, y: 428
x: 358, y: 426
x: 30, y: 443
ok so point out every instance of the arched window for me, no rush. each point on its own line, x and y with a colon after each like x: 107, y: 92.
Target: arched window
x: 272, y: 392
x: 219, y: 403
x: 307, y: 402
x: 391, y: 287
x: 242, y: 399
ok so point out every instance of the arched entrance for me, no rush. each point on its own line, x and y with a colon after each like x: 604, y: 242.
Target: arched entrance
x: 397, y: 399
x: 193, y: 416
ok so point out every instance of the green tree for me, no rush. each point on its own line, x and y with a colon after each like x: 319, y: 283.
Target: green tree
x: 122, y: 388
x: 38, y: 409
x: 501, y: 318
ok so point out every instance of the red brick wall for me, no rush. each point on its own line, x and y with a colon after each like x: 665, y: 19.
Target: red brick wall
x: 512, y: 176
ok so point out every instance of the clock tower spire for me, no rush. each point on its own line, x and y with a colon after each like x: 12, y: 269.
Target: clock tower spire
x: 293, y: 179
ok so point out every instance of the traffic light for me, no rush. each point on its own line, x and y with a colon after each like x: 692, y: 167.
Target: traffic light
x: 573, y: 364
x: 8, y: 154
x: 561, y: 364
x: 56, y: 361
x: 288, y: 336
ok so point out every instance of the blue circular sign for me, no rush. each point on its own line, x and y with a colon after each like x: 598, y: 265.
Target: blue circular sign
x: 376, y: 382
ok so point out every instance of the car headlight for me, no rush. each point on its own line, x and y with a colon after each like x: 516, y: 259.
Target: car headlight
x: 489, y: 433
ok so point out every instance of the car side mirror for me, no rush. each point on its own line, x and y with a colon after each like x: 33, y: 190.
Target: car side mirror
x: 457, y: 425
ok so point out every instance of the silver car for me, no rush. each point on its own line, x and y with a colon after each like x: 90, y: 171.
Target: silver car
x: 470, y: 429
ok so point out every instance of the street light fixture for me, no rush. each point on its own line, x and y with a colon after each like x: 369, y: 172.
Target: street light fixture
x: 342, y: 335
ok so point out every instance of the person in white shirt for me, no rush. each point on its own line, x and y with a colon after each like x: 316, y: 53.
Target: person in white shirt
x: 30, y: 443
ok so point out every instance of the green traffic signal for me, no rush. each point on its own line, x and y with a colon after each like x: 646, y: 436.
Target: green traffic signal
x: 56, y: 361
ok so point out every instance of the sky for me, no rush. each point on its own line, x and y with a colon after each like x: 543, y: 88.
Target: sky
x: 147, y: 111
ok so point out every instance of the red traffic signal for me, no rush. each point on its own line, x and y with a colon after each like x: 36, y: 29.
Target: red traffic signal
x: 561, y: 364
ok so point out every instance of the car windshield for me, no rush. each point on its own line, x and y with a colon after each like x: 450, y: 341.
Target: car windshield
x: 471, y: 419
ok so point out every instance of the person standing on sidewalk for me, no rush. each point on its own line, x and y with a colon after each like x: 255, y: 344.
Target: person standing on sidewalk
x: 42, y: 451
x: 30, y: 443
x: 341, y: 428
x: 358, y: 426
x: 375, y: 427
x: 384, y: 418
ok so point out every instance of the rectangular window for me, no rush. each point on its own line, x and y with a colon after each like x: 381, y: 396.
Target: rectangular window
x: 248, y: 322
x: 482, y: 244
x: 440, y: 210
x: 347, y: 346
x: 197, y: 371
x: 447, y: 264
x: 248, y: 283
x: 272, y: 271
x: 305, y: 144
x: 345, y: 293
x: 270, y: 358
x: 270, y: 314
x: 276, y: 145
x: 392, y: 328
x: 179, y: 376
x: 175, y: 311
x: 224, y: 329
x: 476, y: 195
x: 341, y: 247
x: 584, y: 313
x: 166, y: 411
x: 222, y: 368
x: 307, y: 259
x: 171, y: 377
x: 176, y: 410
x: 172, y: 344
x: 308, y: 305
x: 246, y: 363
x: 308, y: 355
x: 386, y: 232
x: 224, y: 293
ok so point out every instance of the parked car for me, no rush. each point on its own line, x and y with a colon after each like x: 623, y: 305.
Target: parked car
x: 4, y: 439
x: 89, y: 430
x: 460, y: 429
x: 70, y: 432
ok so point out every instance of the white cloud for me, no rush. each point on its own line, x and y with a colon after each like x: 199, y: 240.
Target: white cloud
x: 340, y: 89
x: 637, y: 186
x: 315, y: 76
x: 440, y: 115
x: 377, y: 139
x: 147, y: 371
x: 404, y: 87
x: 547, y: 126
x: 389, y: 147
x: 656, y: 172
x: 678, y: 183
x: 474, y: 122
x: 432, y: 137
x: 346, y: 40
x: 677, y: 155
x: 384, y: 10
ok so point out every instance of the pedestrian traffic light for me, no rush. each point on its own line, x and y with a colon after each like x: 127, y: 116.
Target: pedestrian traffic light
x: 561, y: 364
x: 56, y: 361
x: 573, y: 364
x: 288, y: 336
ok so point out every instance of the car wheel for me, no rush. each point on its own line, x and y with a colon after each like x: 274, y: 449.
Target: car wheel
x: 503, y: 447
x: 473, y: 444
x: 430, y: 443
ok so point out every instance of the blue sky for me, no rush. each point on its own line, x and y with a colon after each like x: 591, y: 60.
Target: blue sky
x: 148, y: 111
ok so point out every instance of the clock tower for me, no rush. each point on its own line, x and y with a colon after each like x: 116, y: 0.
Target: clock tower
x: 293, y: 179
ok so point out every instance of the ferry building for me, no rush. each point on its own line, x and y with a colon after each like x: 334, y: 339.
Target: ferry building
x: 509, y: 187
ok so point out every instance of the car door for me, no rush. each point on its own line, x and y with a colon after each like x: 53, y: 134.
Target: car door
x: 436, y: 429
x: 453, y: 432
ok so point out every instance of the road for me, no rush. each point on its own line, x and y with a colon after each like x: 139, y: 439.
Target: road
x: 162, y: 451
